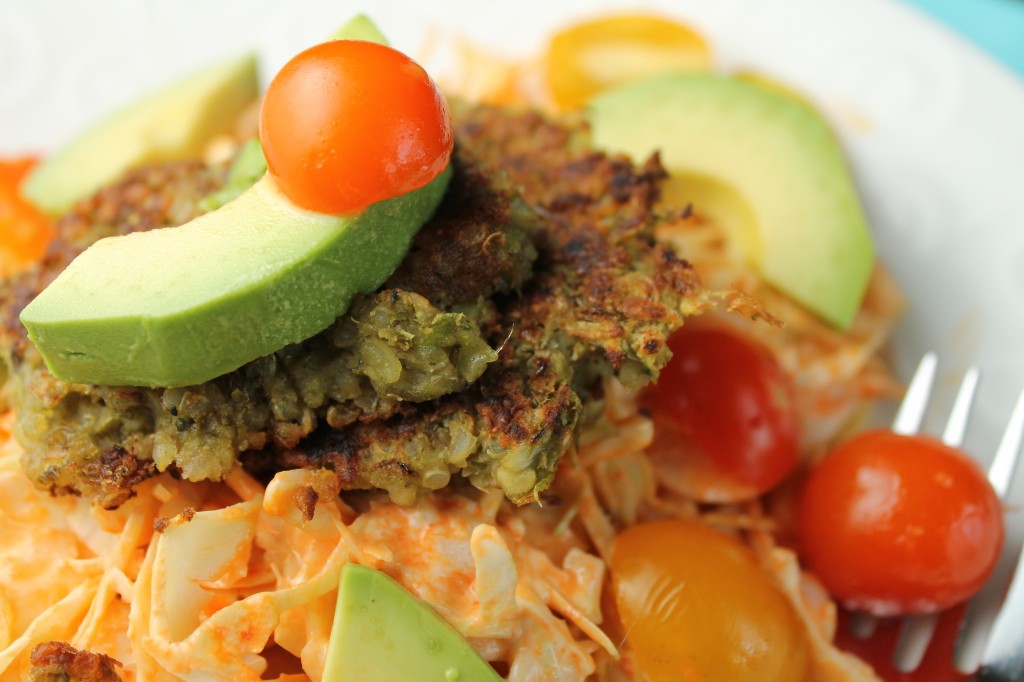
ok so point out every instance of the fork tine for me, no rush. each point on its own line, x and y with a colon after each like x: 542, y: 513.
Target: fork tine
x: 956, y: 427
x: 907, y: 422
x: 915, y: 402
x: 1000, y: 472
x: 980, y: 640
x: 915, y: 635
x: 1003, y: 660
x: 916, y: 631
x: 862, y: 625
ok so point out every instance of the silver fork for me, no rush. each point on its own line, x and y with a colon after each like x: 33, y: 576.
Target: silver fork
x: 1002, y: 659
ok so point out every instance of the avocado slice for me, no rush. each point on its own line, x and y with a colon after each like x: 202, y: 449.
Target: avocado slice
x: 248, y: 167
x: 382, y: 633
x: 182, y: 305
x: 173, y: 123
x: 810, y: 237
x: 360, y: 27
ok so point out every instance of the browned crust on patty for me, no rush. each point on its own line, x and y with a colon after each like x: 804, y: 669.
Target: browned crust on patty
x: 463, y: 254
x: 60, y: 662
x: 604, y: 296
x: 543, y: 243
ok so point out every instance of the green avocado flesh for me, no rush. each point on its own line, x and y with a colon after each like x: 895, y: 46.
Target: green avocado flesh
x: 173, y: 123
x: 182, y: 305
x: 382, y: 633
x: 248, y: 167
x: 360, y: 27
x: 778, y: 154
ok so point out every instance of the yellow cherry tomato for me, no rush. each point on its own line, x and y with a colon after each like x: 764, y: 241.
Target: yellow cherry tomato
x: 595, y: 55
x: 696, y: 605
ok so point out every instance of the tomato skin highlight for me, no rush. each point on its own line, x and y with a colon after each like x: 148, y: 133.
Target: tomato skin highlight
x: 726, y: 427
x: 696, y: 605
x: 348, y: 123
x: 896, y: 524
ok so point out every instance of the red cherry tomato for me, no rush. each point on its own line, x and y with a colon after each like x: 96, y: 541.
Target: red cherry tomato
x: 695, y: 604
x: 897, y: 524
x: 348, y: 123
x: 726, y: 427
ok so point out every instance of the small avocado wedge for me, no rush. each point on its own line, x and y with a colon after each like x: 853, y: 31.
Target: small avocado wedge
x: 248, y: 167
x: 173, y: 123
x: 382, y: 633
x: 360, y: 27
x: 250, y: 164
x: 810, y: 236
x: 182, y: 305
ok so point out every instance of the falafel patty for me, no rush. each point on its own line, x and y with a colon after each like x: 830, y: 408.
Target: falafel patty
x: 538, y: 278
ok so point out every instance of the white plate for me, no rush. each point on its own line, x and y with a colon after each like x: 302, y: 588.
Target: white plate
x: 934, y: 128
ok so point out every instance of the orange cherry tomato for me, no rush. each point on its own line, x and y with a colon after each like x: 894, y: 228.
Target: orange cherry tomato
x: 348, y: 123
x: 13, y: 171
x: 897, y: 524
x: 696, y: 605
x: 725, y: 421
x: 592, y: 56
x: 24, y: 230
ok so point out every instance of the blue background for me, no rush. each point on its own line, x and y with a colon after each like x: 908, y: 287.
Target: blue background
x: 995, y: 25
